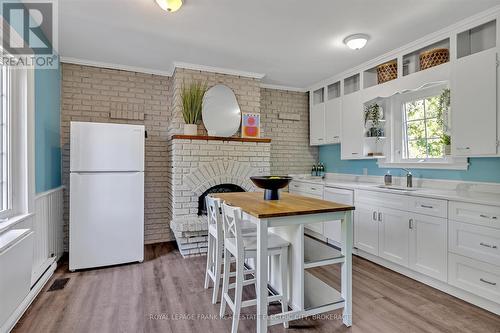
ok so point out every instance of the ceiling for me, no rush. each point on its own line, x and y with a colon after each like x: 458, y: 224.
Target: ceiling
x: 294, y: 43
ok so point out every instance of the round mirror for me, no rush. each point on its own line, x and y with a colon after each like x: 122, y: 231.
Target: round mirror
x: 221, y: 113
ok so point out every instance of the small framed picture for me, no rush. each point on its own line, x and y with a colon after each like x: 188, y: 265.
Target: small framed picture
x: 250, y: 125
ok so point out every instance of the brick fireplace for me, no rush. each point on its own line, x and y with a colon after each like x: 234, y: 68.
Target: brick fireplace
x: 199, y: 164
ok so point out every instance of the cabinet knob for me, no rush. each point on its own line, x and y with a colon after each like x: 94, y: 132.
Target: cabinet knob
x: 426, y: 206
x: 463, y: 148
x: 410, y: 224
x: 380, y: 217
x: 374, y: 216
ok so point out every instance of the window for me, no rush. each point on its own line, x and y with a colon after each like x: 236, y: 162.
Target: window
x: 422, y: 129
x: 5, y: 144
x: 419, y: 133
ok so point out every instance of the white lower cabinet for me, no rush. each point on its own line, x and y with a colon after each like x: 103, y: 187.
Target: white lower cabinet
x: 475, y: 276
x: 312, y: 191
x: 412, y: 240
x: 332, y: 229
x: 393, y: 233
x: 475, y: 241
x: 428, y: 250
x: 366, y: 234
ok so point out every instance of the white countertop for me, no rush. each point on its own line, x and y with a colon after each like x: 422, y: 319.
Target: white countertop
x: 460, y: 193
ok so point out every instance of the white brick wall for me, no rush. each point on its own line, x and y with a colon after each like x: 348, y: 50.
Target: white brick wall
x: 108, y: 95
x: 247, y: 91
x: 290, y: 150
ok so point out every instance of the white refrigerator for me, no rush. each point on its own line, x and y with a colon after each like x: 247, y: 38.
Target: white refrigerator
x: 106, y: 220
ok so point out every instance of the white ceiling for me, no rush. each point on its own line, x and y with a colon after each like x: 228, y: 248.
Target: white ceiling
x: 294, y: 43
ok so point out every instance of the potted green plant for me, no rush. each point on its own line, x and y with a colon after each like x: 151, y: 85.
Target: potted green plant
x: 373, y: 113
x: 443, y: 109
x: 192, y: 100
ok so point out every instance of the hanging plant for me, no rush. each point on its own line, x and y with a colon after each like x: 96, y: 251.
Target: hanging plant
x: 373, y: 113
x: 443, y: 109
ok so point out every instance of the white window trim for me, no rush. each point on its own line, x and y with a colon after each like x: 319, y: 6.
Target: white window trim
x: 22, y: 146
x: 394, y: 159
x: 23, y: 181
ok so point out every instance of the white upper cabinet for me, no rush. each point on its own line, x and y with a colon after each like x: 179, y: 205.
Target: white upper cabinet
x: 325, y: 108
x: 469, y: 68
x: 317, y: 117
x: 333, y: 108
x: 474, y: 104
x: 352, y: 126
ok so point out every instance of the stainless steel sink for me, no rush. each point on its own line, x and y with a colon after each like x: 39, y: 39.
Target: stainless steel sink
x: 397, y: 188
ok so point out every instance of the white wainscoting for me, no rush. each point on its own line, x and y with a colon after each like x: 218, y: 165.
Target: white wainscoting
x: 48, y: 230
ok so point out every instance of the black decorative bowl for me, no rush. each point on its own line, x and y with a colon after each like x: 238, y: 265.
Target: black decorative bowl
x: 271, y: 184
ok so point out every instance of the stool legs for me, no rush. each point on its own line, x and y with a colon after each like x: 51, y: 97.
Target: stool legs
x: 218, y: 264
x: 225, y: 282
x: 209, y: 260
x: 238, y: 293
x: 284, y: 281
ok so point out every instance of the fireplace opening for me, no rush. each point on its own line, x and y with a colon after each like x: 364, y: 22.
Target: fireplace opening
x: 222, y: 188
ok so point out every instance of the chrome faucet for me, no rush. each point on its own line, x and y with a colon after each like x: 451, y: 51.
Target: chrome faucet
x: 409, y: 178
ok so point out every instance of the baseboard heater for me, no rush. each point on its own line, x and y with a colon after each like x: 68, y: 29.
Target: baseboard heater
x: 16, y: 256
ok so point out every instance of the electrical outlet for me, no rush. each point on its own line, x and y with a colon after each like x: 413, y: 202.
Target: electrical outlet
x: 365, y: 171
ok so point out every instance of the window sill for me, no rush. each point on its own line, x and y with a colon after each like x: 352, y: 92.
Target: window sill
x: 5, y: 225
x: 456, y: 164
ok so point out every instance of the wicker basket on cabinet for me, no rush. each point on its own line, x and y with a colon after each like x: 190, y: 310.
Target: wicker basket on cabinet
x: 387, y: 72
x: 433, y: 58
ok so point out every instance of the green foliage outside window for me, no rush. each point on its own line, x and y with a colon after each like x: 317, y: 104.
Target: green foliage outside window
x: 425, y: 135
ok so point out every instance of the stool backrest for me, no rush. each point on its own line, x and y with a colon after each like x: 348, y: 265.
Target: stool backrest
x: 214, y: 214
x: 231, y: 217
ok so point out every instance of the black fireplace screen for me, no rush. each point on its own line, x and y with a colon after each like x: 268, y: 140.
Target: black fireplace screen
x: 222, y: 188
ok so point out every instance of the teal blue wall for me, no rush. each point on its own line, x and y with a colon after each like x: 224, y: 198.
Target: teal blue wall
x: 47, y: 126
x: 485, y: 169
x: 47, y: 129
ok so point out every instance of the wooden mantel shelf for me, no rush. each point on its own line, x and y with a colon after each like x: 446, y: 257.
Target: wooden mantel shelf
x: 218, y: 138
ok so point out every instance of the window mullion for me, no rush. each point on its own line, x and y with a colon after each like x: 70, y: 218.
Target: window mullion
x: 425, y: 130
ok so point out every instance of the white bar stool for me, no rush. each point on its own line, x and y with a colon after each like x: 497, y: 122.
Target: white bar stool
x: 215, y: 244
x: 243, y: 246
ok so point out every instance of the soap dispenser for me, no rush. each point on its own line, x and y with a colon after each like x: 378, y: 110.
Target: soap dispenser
x: 388, y: 178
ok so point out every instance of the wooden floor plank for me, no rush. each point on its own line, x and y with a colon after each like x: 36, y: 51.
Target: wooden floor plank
x: 165, y: 294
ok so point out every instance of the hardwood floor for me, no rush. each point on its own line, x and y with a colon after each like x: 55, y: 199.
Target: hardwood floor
x: 165, y: 294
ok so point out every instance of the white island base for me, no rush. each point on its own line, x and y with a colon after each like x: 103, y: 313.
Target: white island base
x: 308, y: 295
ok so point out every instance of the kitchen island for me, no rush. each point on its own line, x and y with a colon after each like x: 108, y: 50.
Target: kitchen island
x: 287, y: 217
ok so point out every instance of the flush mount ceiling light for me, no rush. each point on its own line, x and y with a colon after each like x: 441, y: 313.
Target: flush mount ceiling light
x: 356, y: 42
x: 169, y: 5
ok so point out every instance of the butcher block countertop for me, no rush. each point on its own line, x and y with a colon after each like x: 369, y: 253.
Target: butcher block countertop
x: 253, y: 203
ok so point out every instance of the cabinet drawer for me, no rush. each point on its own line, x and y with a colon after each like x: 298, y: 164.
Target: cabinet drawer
x: 474, y: 276
x: 428, y: 206
x: 484, y: 215
x: 379, y: 199
x: 475, y: 241
x: 314, y: 189
x: 295, y: 187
